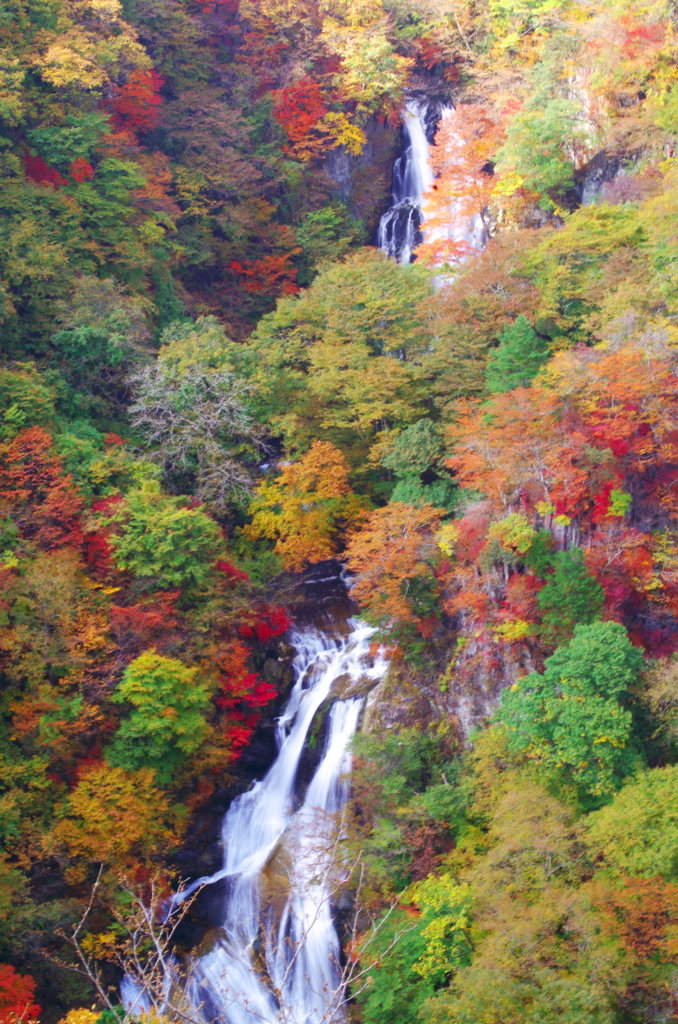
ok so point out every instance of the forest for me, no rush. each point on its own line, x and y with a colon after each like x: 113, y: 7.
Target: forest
x: 213, y: 380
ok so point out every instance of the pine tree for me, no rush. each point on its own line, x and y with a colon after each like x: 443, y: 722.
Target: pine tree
x: 520, y: 356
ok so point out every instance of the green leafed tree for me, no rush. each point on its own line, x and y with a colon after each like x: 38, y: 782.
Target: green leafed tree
x: 572, y: 595
x: 25, y: 400
x: 538, y: 955
x: 396, y: 991
x: 339, y: 362
x: 416, y: 460
x: 79, y: 136
x: 163, y: 542
x: 637, y: 833
x: 103, y: 332
x: 422, y: 950
x: 518, y: 359
x: 572, y: 720
x: 167, y: 721
x: 415, y: 450
x: 325, y: 236
x: 551, y: 124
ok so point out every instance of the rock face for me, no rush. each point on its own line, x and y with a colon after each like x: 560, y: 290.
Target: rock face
x: 364, y: 182
x: 589, y: 181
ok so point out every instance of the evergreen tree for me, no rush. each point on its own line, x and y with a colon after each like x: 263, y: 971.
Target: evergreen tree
x: 571, y: 595
x: 571, y: 720
x: 520, y: 356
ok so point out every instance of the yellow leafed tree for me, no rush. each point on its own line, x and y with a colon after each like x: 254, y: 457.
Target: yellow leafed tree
x: 306, y: 507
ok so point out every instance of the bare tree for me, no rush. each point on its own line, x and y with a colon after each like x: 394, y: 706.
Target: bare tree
x: 154, y: 980
x: 157, y: 982
x: 194, y: 422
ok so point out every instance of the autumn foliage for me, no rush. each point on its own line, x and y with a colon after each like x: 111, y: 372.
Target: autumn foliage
x: 303, y: 509
x: 271, y: 275
x: 136, y: 108
x: 388, y: 554
x: 643, y: 912
x: 486, y: 439
x: 465, y: 144
x: 298, y: 108
x: 94, y: 627
x: 34, y: 486
x: 39, y: 171
x: 17, y: 1005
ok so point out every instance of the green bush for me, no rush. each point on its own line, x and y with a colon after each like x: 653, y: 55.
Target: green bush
x: 167, y: 722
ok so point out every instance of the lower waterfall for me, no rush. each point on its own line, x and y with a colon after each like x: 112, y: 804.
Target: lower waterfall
x: 276, y: 957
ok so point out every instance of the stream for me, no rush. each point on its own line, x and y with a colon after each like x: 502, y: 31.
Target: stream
x: 275, y: 955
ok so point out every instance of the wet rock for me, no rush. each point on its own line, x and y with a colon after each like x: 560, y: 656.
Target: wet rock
x: 273, y: 671
x: 313, y: 750
x: 346, y: 687
x: 589, y: 181
x: 402, y: 699
x: 364, y: 182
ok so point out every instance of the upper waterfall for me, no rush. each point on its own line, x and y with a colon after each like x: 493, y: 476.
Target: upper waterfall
x: 399, y: 229
x: 402, y: 227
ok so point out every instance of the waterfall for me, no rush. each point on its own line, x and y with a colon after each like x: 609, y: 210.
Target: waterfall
x: 276, y: 958
x: 400, y: 227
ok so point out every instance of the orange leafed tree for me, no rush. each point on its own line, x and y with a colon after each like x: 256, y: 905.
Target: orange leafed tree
x: 627, y: 403
x: 465, y: 145
x: 522, y: 447
x: 393, y: 548
x: 596, y: 420
x: 273, y: 274
x: 305, y: 509
x: 643, y: 912
x: 591, y: 449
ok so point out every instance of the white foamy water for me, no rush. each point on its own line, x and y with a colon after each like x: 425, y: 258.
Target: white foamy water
x: 403, y: 227
x: 400, y: 227
x: 272, y: 964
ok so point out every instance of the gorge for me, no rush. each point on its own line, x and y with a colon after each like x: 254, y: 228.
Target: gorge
x: 338, y: 512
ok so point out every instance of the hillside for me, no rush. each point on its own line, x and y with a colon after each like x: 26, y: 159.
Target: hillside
x: 214, y: 383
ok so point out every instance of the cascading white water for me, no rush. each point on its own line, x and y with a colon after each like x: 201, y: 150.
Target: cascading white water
x: 306, y: 961
x: 268, y: 967
x: 400, y: 227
